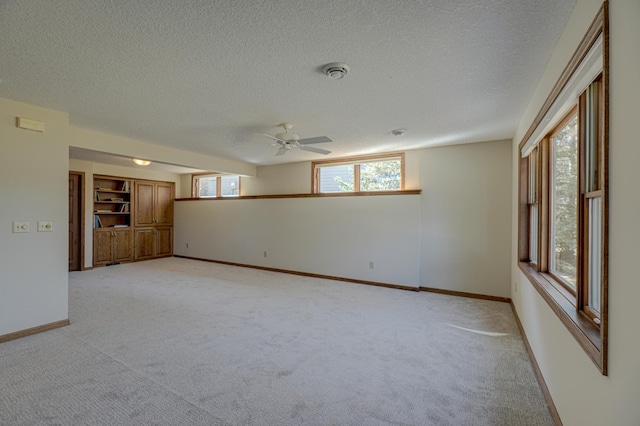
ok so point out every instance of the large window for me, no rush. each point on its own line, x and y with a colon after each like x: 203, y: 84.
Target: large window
x: 374, y: 173
x: 212, y: 186
x: 563, y: 225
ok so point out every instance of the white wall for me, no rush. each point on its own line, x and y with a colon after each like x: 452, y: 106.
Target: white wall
x: 335, y: 236
x: 90, y: 168
x: 465, y: 218
x: 457, y: 232
x: 103, y: 142
x: 291, y: 178
x: 581, y: 394
x: 34, y: 186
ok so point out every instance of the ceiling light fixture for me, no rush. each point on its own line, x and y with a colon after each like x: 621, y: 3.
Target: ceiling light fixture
x: 141, y: 162
x: 336, y: 70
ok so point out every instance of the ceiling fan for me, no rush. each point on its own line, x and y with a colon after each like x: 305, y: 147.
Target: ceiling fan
x: 288, y: 141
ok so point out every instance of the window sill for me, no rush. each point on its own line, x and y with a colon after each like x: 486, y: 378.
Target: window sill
x: 579, y: 325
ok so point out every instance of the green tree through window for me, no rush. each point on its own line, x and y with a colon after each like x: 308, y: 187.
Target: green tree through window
x: 375, y: 176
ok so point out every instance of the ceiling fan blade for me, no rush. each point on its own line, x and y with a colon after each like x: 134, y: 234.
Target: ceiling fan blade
x: 281, y: 151
x: 316, y: 150
x: 319, y: 139
x: 270, y: 137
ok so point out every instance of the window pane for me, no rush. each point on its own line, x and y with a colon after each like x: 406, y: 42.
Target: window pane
x: 207, y: 187
x: 533, y: 235
x: 380, y: 176
x: 564, y: 202
x: 533, y: 176
x: 230, y: 186
x: 595, y: 253
x: 592, y: 138
x: 336, y: 178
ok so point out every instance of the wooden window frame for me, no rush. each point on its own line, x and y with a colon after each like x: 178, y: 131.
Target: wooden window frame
x: 355, y: 162
x: 195, y: 190
x: 572, y: 308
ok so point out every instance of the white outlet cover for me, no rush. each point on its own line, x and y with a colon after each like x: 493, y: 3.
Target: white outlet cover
x: 20, y: 227
x: 45, y: 226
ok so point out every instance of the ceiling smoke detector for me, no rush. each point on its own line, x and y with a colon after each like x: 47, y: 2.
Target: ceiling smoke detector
x: 398, y: 132
x: 336, y: 70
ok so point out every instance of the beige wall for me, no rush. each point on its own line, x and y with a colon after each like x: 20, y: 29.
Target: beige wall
x: 581, y: 394
x: 465, y: 217
x: 335, y: 236
x: 97, y: 141
x: 462, y: 229
x: 34, y: 187
x: 295, y: 178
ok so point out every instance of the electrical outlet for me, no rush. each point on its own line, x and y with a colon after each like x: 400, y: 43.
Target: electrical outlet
x: 187, y: 245
x: 370, y: 265
x: 265, y: 254
x: 20, y: 227
x: 45, y: 226
x: 515, y: 284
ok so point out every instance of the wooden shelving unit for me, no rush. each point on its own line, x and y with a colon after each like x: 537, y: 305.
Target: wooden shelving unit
x: 111, y: 202
x: 112, y: 233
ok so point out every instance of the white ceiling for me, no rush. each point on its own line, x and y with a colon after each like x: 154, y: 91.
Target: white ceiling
x: 205, y: 76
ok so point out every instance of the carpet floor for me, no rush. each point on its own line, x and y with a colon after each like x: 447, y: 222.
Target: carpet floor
x: 181, y: 342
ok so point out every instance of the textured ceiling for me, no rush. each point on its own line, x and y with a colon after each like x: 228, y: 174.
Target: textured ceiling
x: 205, y: 76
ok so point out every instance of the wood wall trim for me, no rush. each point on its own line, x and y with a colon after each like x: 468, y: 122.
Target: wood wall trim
x: 536, y: 369
x: 305, y: 274
x: 322, y: 195
x: 465, y: 294
x: 33, y: 330
x: 82, y: 213
x: 596, y: 28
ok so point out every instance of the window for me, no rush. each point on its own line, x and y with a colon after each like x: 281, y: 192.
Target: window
x: 563, y: 185
x: 212, y: 186
x: 563, y: 261
x: 374, y: 173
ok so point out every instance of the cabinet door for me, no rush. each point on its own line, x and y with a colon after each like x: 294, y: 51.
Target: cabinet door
x: 144, y: 204
x: 164, y: 204
x: 165, y: 241
x: 122, y: 246
x: 102, y: 247
x: 145, y: 243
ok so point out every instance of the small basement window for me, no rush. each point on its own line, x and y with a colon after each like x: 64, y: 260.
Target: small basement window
x: 215, y: 185
x: 359, y: 174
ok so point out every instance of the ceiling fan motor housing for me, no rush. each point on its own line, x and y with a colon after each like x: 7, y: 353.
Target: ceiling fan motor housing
x: 287, y: 137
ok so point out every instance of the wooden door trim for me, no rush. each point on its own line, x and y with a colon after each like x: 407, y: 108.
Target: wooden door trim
x: 81, y: 202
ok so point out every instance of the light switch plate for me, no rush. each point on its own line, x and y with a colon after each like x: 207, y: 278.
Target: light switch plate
x: 20, y: 227
x: 45, y: 226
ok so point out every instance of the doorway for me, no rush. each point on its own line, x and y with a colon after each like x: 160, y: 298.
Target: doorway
x: 76, y: 221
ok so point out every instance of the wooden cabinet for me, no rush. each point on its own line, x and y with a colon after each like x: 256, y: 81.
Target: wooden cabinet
x: 112, y: 246
x: 133, y: 220
x: 153, y: 219
x: 153, y: 203
x: 153, y: 242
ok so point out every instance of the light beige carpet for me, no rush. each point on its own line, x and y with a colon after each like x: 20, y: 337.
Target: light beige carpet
x: 181, y: 342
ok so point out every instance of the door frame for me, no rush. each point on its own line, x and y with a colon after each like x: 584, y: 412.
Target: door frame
x: 81, y: 202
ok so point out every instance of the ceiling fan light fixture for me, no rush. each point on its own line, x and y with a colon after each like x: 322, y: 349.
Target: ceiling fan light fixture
x: 336, y: 70
x: 140, y: 162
